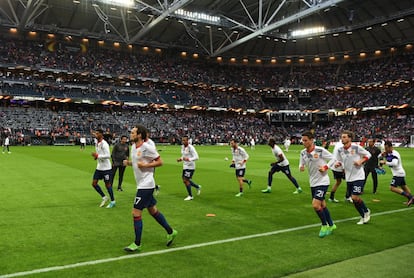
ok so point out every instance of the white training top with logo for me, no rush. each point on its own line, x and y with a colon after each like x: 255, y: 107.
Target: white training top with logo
x: 190, y: 153
x: 276, y: 150
x: 147, y: 153
x: 395, y: 164
x: 104, y: 156
x: 348, y: 157
x: 315, y: 159
x: 239, y: 155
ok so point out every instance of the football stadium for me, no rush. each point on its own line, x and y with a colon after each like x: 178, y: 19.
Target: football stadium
x: 209, y: 138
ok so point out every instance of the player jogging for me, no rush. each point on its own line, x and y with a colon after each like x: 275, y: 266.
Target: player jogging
x: 144, y: 158
x: 103, y: 169
x: 392, y: 158
x: 188, y: 156
x: 239, y: 161
x: 316, y: 158
x: 282, y: 164
x: 352, y: 157
x: 339, y: 175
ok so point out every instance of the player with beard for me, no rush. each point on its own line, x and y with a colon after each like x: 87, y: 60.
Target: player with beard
x: 316, y: 158
x: 144, y: 158
x: 352, y: 157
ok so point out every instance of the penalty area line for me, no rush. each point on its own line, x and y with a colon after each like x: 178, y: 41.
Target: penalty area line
x: 193, y: 246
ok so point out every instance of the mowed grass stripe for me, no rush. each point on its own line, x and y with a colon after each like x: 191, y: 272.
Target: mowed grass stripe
x: 368, y: 266
x: 193, y: 246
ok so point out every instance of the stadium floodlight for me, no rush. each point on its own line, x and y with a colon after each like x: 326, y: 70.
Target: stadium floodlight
x: 118, y: 3
x: 200, y: 17
x: 308, y: 31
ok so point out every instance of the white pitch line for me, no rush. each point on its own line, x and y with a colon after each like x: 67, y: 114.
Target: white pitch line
x: 61, y: 267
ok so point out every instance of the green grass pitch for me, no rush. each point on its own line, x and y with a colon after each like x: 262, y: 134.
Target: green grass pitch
x: 51, y: 225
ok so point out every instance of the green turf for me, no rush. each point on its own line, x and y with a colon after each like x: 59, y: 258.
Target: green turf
x: 50, y: 217
x: 368, y: 266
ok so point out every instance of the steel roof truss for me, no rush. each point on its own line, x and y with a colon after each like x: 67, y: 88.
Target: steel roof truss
x: 248, y: 13
x: 31, y: 12
x: 170, y: 10
x: 275, y: 12
x: 13, y: 12
x: 277, y: 24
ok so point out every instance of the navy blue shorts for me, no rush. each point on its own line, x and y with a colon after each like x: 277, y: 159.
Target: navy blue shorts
x: 144, y: 199
x: 188, y: 174
x: 103, y: 175
x: 240, y: 172
x: 357, y: 187
x: 319, y: 192
x: 338, y: 175
x: 398, y: 181
x: 283, y: 169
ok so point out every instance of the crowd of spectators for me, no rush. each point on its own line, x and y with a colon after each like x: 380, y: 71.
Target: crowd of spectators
x: 98, y: 73
x: 318, y: 99
x: 101, y: 61
x: 28, y: 68
x: 203, y: 127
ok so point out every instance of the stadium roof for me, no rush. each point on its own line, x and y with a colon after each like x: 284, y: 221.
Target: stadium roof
x: 228, y: 28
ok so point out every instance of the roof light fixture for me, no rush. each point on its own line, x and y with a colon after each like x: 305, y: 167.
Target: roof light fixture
x: 119, y: 3
x: 200, y: 17
x: 308, y: 31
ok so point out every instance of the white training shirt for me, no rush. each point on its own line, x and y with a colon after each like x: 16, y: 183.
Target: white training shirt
x: 240, y: 157
x: 393, y: 160
x: 190, y: 153
x: 276, y: 150
x: 287, y: 142
x: 151, y: 142
x: 104, y: 156
x: 315, y: 159
x: 334, y: 153
x: 144, y: 177
x: 347, y: 157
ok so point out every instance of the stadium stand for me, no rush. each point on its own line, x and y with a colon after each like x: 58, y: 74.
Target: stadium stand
x: 159, y: 89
